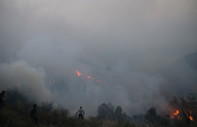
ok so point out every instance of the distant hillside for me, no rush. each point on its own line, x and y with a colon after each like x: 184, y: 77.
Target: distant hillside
x: 191, y: 59
x: 181, y: 76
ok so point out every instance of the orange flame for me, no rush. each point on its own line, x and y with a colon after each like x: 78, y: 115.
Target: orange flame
x: 175, y: 114
x: 89, y: 77
x: 191, y: 118
x: 78, y: 73
x: 86, y: 76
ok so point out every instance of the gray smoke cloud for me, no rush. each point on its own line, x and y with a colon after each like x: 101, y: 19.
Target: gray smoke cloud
x: 27, y: 80
x: 132, y: 47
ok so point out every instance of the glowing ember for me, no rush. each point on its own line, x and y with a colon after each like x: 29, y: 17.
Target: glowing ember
x: 175, y: 114
x: 86, y: 76
x: 78, y: 73
x: 89, y: 77
x: 191, y: 118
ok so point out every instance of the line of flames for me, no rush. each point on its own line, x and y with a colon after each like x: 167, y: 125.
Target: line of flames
x: 87, y: 77
x: 176, y: 114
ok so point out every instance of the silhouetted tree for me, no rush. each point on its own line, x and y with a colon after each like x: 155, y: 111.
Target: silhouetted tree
x: 118, y: 113
x: 47, y: 106
x: 106, y: 111
x: 151, y: 115
x: 14, y: 96
x: 187, y: 107
x: 154, y: 118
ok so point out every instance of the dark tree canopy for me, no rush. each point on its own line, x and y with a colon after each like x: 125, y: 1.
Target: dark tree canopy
x: 107, y: 111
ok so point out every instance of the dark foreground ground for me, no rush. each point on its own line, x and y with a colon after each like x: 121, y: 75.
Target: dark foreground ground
x: 18, y: 115
x: 15, y: 112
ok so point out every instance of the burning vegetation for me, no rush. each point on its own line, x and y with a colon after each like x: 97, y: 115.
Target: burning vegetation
x: 16, y: 110
x: 184, y: 109
x: 177, y: 115
x: 79, y: 74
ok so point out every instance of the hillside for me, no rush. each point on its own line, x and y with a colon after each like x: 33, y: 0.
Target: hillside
x: 16, y: 113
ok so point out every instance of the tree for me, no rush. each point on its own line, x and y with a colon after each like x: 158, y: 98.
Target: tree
x: 151, y: 115
x: 186, y: 106
x: 118, y: 113
x: 106, y: 111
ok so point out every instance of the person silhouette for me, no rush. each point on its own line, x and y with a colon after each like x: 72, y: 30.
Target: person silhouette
x: 2, y: 95
x: 80, y: 113
x: 34, y: 114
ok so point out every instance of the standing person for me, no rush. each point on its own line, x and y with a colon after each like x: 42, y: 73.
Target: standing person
x: 2, y: 95
x: 80, y: 113
x: 34, y: 114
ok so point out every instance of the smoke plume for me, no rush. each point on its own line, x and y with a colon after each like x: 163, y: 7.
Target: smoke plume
x: 26, y: 79
x: 134, y: 48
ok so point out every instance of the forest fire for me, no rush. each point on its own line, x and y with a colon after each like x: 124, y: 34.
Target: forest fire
x: 89, y: 77
x: 191, y: 118
x: 177, y: 115
x: 79, y: 74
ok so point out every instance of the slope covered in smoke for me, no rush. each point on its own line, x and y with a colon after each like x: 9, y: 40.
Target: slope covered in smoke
x: 29, y: 81
x: 181, y: 76
x: 122, y: 43
x: 191, y: 59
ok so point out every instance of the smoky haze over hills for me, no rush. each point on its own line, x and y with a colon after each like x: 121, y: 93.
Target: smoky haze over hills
x: 135, y: 48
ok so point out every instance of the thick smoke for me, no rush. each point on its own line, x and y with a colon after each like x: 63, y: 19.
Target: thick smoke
x: 135, y: 48
x: 26, y: 79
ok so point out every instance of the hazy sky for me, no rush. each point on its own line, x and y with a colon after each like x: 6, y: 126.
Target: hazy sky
x: 131, y: 46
